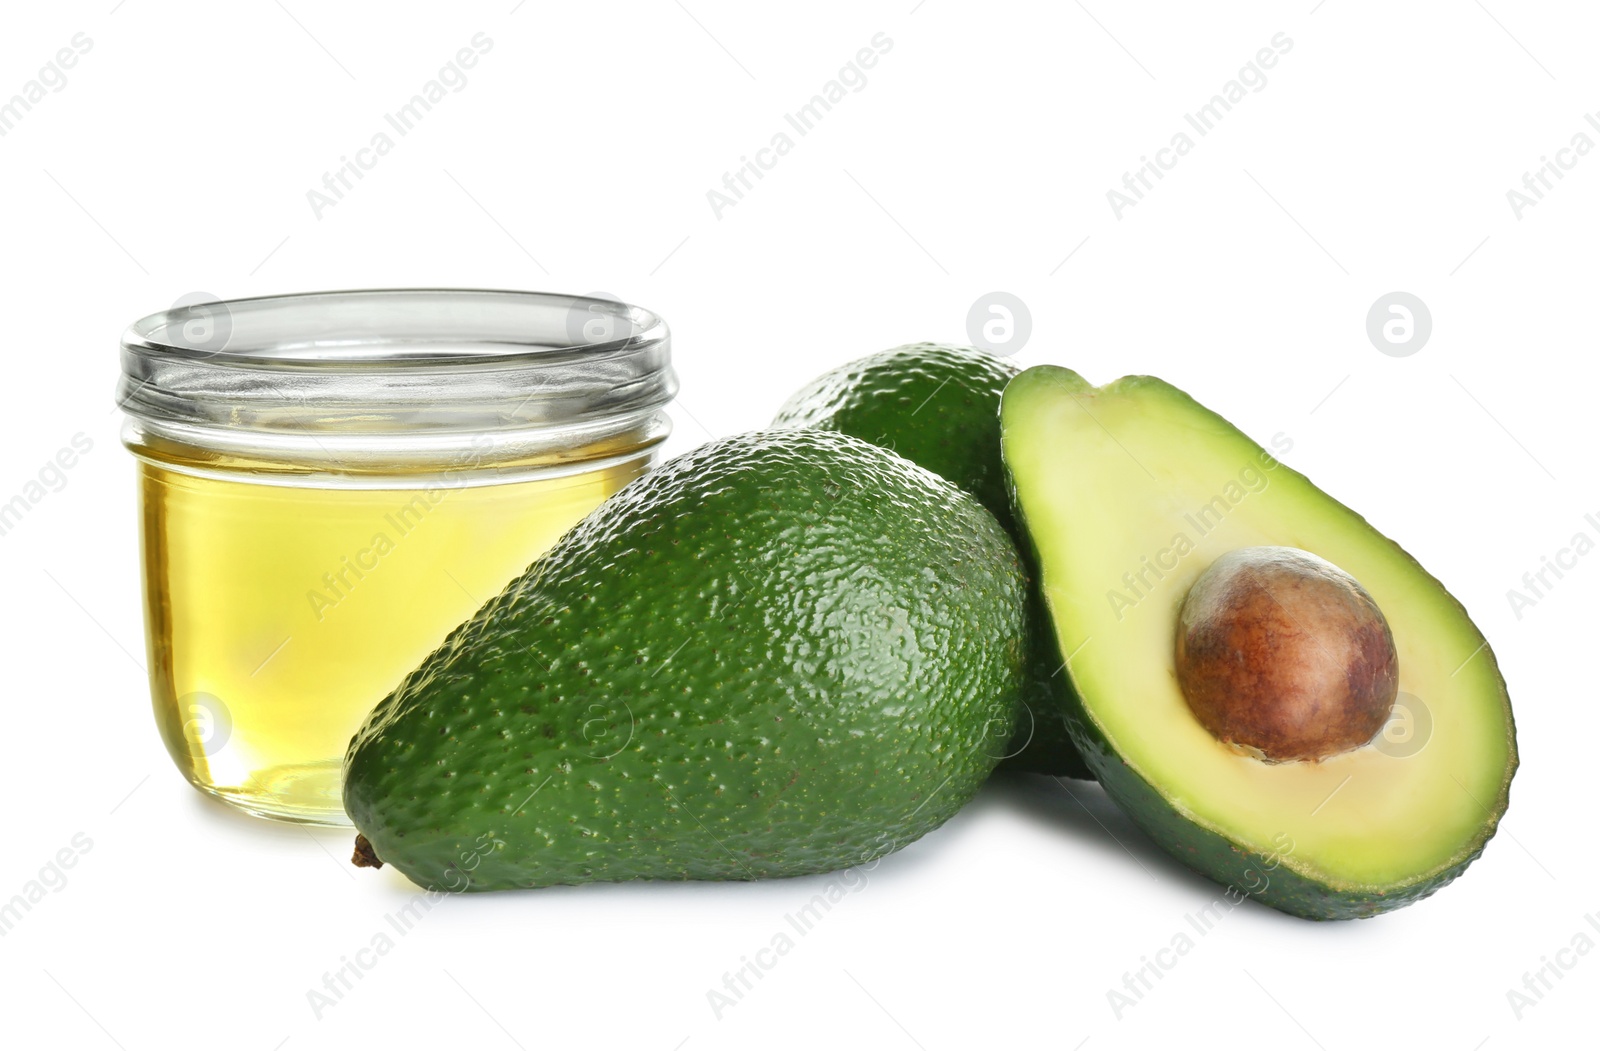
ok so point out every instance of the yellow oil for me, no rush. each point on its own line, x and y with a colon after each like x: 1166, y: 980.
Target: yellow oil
x: 278, y: 616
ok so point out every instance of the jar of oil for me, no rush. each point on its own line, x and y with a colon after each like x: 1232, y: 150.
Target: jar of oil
x: 329, y: 483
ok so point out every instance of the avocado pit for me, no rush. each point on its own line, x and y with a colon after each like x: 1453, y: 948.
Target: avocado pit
x: 1285, y: 656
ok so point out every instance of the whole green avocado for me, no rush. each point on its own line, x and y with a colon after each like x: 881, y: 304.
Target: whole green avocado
x: 938, y: 405
x: 782, y: 653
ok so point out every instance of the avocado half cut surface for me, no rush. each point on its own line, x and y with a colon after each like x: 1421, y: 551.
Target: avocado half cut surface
x: 1128, y: 494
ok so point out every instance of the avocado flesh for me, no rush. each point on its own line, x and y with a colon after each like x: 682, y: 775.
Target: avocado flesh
x: 938, y: 405
x: 1137, y: 477
x: 782, y: 653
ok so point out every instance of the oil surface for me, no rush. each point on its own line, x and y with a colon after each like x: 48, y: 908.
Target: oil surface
x: 278, y: 616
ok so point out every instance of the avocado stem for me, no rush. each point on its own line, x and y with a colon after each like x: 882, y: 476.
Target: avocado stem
x: 365, y: 857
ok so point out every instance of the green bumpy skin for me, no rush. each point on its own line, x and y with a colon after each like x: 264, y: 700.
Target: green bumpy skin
x: 782, y: 653
x: 939, y: 406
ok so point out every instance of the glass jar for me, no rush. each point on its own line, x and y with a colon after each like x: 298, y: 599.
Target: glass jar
x: 329, y: 483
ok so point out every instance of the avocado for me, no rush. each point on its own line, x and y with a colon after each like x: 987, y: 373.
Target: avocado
x: 782, y: 653
x: 1278, y: 694
x: 939, y: 406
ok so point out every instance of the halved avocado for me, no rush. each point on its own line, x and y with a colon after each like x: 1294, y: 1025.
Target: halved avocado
x: 1128, y: 493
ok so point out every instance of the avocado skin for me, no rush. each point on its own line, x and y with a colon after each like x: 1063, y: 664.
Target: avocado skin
x: 782, y: 653
x: 1272, y: 882
x: 935, y: 404
x: 938, y: 405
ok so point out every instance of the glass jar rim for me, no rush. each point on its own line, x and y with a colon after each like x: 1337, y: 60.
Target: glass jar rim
x: 383, y: 374
x: 396, y: 359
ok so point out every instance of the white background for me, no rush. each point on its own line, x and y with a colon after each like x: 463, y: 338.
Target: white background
x: 578, y: 157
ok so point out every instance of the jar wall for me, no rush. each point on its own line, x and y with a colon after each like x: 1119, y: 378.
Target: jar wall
x: 279, y: 615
